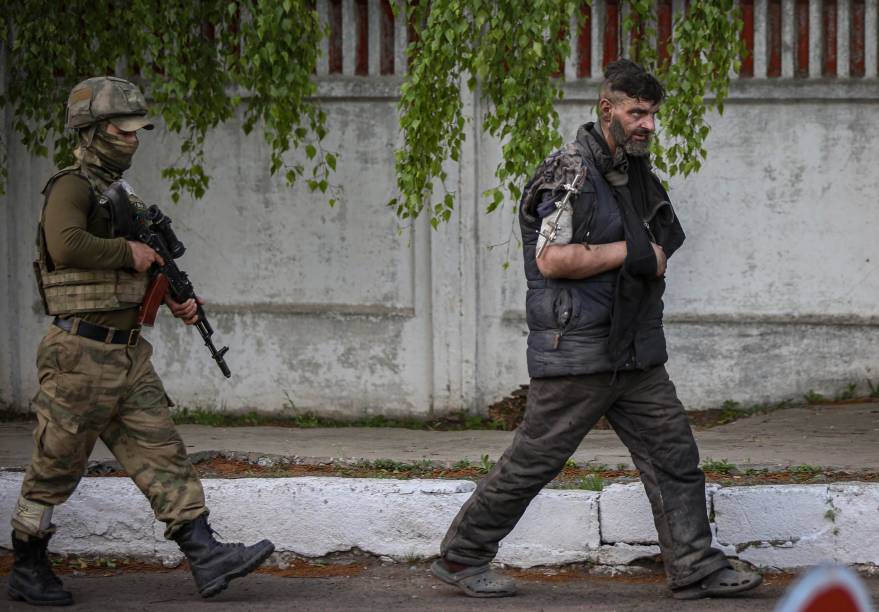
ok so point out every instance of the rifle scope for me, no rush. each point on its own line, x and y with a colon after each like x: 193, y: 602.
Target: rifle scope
x: 161, y: 224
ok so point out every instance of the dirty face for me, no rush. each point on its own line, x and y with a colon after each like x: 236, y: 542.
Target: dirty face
x: 631, y: 123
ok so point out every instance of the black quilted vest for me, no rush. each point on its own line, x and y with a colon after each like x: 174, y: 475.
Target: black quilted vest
x: 569, y: 320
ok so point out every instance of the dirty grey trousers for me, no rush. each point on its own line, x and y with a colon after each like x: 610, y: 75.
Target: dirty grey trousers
x: 644, y: 410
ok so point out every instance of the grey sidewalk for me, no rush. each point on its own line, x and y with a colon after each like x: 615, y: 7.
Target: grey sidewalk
x: 832, y: 436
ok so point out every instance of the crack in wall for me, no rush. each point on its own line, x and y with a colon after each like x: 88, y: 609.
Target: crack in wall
x: 780, y: 543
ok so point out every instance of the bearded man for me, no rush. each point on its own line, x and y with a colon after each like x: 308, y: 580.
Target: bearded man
x: 96, y: 376
x: 597, y: 229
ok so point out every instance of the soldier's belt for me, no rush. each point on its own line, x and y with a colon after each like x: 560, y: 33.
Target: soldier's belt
x: 107, y: 335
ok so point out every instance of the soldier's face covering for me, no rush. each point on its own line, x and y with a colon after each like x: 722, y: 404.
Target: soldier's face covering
x: 114, y: 148
x: 105, y: 152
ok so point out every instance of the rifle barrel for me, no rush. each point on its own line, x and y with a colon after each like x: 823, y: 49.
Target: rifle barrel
x: 203, y: 327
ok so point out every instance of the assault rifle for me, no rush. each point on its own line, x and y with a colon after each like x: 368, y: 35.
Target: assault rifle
x: 136, y: 221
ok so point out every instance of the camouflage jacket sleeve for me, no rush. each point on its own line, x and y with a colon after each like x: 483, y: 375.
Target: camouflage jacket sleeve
x: 76, y: 239
x: 547, y: 184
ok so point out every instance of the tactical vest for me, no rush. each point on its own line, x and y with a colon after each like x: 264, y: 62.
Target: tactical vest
x: 69, y: 291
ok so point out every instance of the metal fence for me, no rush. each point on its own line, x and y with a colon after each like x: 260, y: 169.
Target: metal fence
x: 787, y: 39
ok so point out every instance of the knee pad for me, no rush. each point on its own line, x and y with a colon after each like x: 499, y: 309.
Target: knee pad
x: 32, y: 518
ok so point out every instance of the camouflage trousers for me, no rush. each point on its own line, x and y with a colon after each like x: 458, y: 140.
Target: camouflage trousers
x: 90, y: 389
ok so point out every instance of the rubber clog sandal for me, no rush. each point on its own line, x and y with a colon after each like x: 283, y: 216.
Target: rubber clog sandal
x: 475, y: 581
x: 721, y: 583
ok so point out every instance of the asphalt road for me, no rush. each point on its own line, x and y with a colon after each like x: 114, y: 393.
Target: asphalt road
x: 394, y: 587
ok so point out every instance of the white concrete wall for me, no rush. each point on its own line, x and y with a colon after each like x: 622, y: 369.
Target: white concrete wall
x: 345, y: 312
x: 774, y: 291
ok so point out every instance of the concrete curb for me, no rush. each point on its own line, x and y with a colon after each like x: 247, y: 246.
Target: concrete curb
x: 780, y: 526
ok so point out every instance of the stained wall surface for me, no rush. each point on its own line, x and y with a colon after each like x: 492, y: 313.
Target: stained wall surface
x: 346, y: 311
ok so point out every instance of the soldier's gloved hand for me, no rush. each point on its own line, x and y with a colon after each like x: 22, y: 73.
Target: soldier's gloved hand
x: 187, y: 311
x: 660, y: 258
x: 144, y: 256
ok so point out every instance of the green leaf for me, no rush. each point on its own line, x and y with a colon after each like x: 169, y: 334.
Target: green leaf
x: 506, y: 53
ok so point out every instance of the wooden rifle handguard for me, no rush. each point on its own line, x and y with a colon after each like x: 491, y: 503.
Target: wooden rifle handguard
x: 154, y: 298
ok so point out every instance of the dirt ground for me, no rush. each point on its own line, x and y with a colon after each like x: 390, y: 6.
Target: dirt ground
x: 593, y: 477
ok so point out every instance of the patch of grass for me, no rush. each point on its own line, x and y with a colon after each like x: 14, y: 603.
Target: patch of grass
x: 390, y: 465
x: 485, y: 464
x: 622, y: 467
x: 463, y: 464
x: 88, y: 562
x: 721, y: 466
x: 874, y: 388
x: 831, y: 513
x: 805, y: 469
x: 813, y: 397
x: 850, y: 392
x: 308, y: 420
x: 386, y: 465
x: 590, y: 482
x: 389, y: 468
x: 730, y: 411
x: 412, y: 558
x: 200, y: 416
x: 570, y: 464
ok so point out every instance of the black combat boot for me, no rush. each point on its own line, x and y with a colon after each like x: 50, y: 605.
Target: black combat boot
x: 213, y: 563
x: 32, y: 579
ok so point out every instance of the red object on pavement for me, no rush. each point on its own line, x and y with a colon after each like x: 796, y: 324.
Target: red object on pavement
x: 827, y: 588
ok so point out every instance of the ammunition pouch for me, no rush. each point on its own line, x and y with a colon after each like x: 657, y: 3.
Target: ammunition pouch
x: 72, y: 291
x: 69, y: 291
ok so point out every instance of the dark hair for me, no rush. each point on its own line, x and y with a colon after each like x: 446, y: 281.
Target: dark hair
x: 625, y: 76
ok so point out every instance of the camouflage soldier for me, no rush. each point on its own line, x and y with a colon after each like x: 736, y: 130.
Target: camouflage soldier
x: 96, y: 378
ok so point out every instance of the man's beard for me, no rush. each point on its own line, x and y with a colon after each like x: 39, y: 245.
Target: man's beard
x: 636, y: 148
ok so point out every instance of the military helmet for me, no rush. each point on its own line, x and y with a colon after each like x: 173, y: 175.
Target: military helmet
x: 107, y: 98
